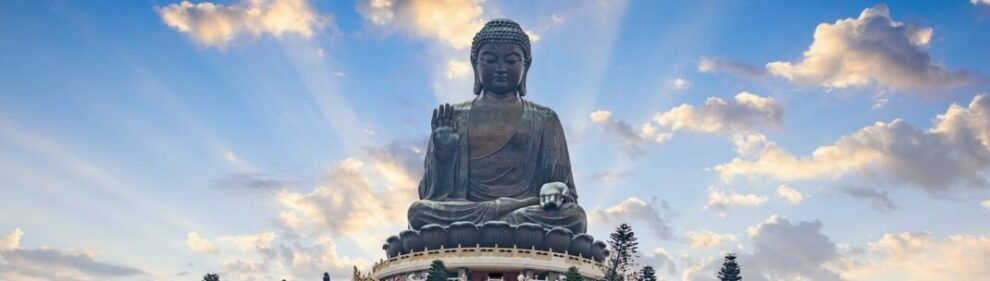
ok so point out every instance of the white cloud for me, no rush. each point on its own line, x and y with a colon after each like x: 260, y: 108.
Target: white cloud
x: 258, y: 241
x: 533, y: 37
x: 956, y: 151
x: 659, y: 260
x: 708, y: 239
x: 789, y: 251
x: 295, y: 259
x: 785, y: 250
x: 745, y: 112
x: 363, y: 198
x: 18, y: 263
x: 452, y: 22
x: 630, y: 139
x: 347, y: 203
x: 379, y: 12
x: 781, y: 250
x: 871, y: 48
x: 748, y: 143
x: 448, y: 25
x: 879, y: 200
x: 458, y: 68
x: 634, y: 209
x: 216, y: 25
x: 321, y: 256
x: 244, y: 269
x: 601, y: 116
x: 198, y: 244
x: 703, y: 270
x: 252, y: 181
x: 985, y: 204
x: 657, y: 137
x: 268, y: 256
x: 11, y: 241
x: 919, y: 256
x: 978, y: 2
x: 611, y: 175
x: 789, y: 194
x: 902, y: 245
x: 708, y: 65
x: 722, y: 200
x: 231, y: 158
x: 679, y: 84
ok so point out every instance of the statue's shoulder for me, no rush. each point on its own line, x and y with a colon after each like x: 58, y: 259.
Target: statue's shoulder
x: 463, y: 106
x: 540, y: 110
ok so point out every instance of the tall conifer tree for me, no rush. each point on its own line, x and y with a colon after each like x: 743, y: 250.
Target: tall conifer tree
x: 438, y: 272
x: 573, y: 275
x: 624, y: 249
x: 730, y: 270
x: 647, y: 274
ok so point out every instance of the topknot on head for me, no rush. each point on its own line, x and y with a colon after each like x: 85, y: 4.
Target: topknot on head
x: 501, y: 31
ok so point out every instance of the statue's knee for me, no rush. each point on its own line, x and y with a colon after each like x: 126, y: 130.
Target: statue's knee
x: 578, y: 216
x: 415, y: 213
x: 417, y: 207
x: 574, y: 207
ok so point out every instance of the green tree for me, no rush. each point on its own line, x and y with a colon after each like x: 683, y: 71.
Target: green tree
x: 730, y: 270
x: 438, y: 272
x: 211, y: 277
x: 647, y: 274
x: 624, y: 249
x: 573, y: 275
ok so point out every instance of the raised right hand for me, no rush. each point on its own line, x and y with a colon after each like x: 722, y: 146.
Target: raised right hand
x: 445, y: 136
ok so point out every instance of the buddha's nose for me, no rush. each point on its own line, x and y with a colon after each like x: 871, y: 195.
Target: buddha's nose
x: 500, y: 68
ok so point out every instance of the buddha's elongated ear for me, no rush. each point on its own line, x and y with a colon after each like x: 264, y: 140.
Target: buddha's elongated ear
x: 522, y: 85
x: 477, y: 79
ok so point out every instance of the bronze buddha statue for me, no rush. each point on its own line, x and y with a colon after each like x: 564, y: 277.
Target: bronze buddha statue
x: 498, y: 157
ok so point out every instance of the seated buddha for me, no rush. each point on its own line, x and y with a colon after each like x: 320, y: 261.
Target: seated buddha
x: 498, y: 157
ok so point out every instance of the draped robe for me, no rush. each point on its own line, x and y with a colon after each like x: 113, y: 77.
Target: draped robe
x: 503, y: 185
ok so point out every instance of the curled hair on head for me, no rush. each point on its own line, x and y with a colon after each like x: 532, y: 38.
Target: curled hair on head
x: 501, y: 31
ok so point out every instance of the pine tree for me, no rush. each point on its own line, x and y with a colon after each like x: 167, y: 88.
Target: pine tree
x: 438, y: 272
x: 211, y: 277
x: 623, y: 252
x: 647, y: 274
x: 573, y: 275
x: 730, y: 270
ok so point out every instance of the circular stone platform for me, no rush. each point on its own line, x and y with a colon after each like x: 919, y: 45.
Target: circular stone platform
x: 487, y: 263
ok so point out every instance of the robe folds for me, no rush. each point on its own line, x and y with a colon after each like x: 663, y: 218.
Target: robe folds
x: 503, y: 185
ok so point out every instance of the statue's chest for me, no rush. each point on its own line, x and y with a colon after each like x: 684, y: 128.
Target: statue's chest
x: 492, y: 130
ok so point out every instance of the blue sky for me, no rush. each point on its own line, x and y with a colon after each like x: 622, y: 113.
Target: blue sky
x: 269, y: 139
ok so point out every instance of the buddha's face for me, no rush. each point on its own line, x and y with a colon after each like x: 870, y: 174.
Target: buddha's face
x: 500, y: 67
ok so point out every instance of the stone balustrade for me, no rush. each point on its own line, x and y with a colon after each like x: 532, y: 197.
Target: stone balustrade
x: 496, y: 258
x: 495, y: 234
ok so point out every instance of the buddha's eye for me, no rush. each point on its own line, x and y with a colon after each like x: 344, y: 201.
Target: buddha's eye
x: 512, y: 59
x: 488, y: 58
